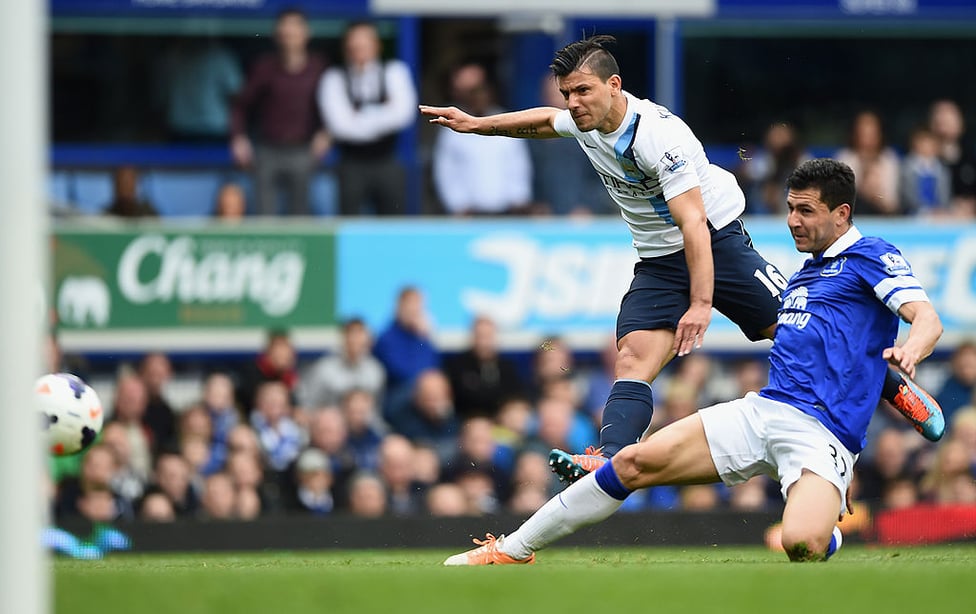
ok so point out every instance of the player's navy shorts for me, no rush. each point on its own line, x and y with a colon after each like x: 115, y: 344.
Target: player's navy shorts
x: 744, y: 287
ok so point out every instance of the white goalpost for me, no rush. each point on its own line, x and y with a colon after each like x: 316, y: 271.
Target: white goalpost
x: 24, y: 250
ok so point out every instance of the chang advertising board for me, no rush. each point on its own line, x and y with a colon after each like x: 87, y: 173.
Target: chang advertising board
x: 565, y: 277
x: 166, y: 278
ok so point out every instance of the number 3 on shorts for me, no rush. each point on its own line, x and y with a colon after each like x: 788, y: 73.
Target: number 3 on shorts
x: 833, y: 453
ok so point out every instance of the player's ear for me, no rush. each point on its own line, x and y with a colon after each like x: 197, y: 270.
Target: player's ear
x: 843, y: 210
x: 615, y: 83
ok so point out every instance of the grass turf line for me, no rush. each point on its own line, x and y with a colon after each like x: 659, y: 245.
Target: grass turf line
x: 565, y: 580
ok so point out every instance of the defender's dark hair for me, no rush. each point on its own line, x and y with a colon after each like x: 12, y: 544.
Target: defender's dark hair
x: 834, y: 179
x: 589, y: 52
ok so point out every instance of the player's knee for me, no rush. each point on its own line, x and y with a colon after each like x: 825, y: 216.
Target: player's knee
x: 803, y: 545
x: 638, y: 465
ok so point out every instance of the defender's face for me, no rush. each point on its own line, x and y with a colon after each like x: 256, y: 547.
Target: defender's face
x: 590, y: 100
x: 813, y: 225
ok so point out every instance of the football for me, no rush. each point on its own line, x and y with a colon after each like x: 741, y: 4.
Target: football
x: 71, y: 414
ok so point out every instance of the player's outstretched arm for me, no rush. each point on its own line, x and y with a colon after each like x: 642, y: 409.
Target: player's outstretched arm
x: 922, y: 336
x: 535, y: 123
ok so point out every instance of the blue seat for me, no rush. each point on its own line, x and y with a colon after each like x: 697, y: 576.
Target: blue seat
x: 91, y: 191
x: 59, y: 190
x: 182, y: 193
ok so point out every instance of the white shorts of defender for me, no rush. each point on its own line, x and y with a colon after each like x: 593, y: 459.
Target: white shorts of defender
x: 758, y: 436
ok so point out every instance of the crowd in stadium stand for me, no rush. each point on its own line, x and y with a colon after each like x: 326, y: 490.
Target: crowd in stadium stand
x: 393, y: 426
x: 294, y: 107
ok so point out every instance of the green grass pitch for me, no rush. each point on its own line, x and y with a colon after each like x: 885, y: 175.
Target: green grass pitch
x: 930, y: 580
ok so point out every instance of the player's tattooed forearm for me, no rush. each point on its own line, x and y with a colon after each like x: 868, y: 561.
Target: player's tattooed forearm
x: 529, y: 131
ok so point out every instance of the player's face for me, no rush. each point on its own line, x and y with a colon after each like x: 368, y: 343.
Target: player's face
x: 590, y: 100
x: 813, y: 225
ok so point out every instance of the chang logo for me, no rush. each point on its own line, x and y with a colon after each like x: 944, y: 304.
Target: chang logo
x: 794, y: 309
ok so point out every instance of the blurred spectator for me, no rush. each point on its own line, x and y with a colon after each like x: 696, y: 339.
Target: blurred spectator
x: 446, y: 500
x: 230, y: 205
x: 367, y: 496
x: 750, y: 496
x: 172, y: 479
x: 430, y: 418
x: 131, y: 399
x: 891, y: 461
x: 195, y: 437
x: 950, y: 480
x: 925, y: 185
x: 959, y: 155
x: 405, y: 348
x: 475, y: 174
x: 480, y: 377
x: 478, y: 449
x: 899, y: 493
x: 280, y: 91
x: 90, y: 495
x: 405, y: 497
x: 527, y: 500
x: 962, y: 428
x: 365, y: 104
x: 875, y: 166
x: 553, y: 361
x: 280, y: 437
x: 563, y: 178
x: 218, y: 402
x: 699, y: 497
x: 327, y: 431
x: 751, y: 375
x: 532, y: 472
x: 126, y: 201
x: 156, y: 371
x: 353, y: 366
x: 157, y: 507
x: 218, y: 497
x: 276, y: 363
x: 251, y: 489
x: 514, y: 422
x: 763, y: 173
x: 126, y: 481
x: 599, y: 380
x: 555, y: 421
x: 314, y: 482
x: 197, y: 79
x: 426, y: 466
x: 479, y: 489
x: 242, y: 439
x: 365, y: 428
x: 959, y: 389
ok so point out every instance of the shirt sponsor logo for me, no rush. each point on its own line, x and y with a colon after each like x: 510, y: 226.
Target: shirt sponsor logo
x: 673, y: 160
x: 793, y: 310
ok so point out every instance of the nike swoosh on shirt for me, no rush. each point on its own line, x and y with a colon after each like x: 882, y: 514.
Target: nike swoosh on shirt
x: 605, y: 426
x: 590, y: 146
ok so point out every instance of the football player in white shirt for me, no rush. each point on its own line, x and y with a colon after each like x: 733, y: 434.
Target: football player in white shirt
x: 683, y: 215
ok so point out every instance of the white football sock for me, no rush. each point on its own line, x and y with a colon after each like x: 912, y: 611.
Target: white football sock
x: 581, y: 504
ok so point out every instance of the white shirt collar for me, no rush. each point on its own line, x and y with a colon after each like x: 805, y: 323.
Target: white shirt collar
x: 849, y: 238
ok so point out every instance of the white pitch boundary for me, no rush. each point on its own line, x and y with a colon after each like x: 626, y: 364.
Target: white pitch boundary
x: 23, y: 266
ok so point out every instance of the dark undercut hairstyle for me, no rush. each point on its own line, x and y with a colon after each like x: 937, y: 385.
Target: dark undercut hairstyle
x: 589, y: 53
x: 834, y: 179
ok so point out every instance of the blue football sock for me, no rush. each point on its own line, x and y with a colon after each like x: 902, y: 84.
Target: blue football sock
x: 609, y: 481
x: 627, y: 414
x: 836, y: 539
